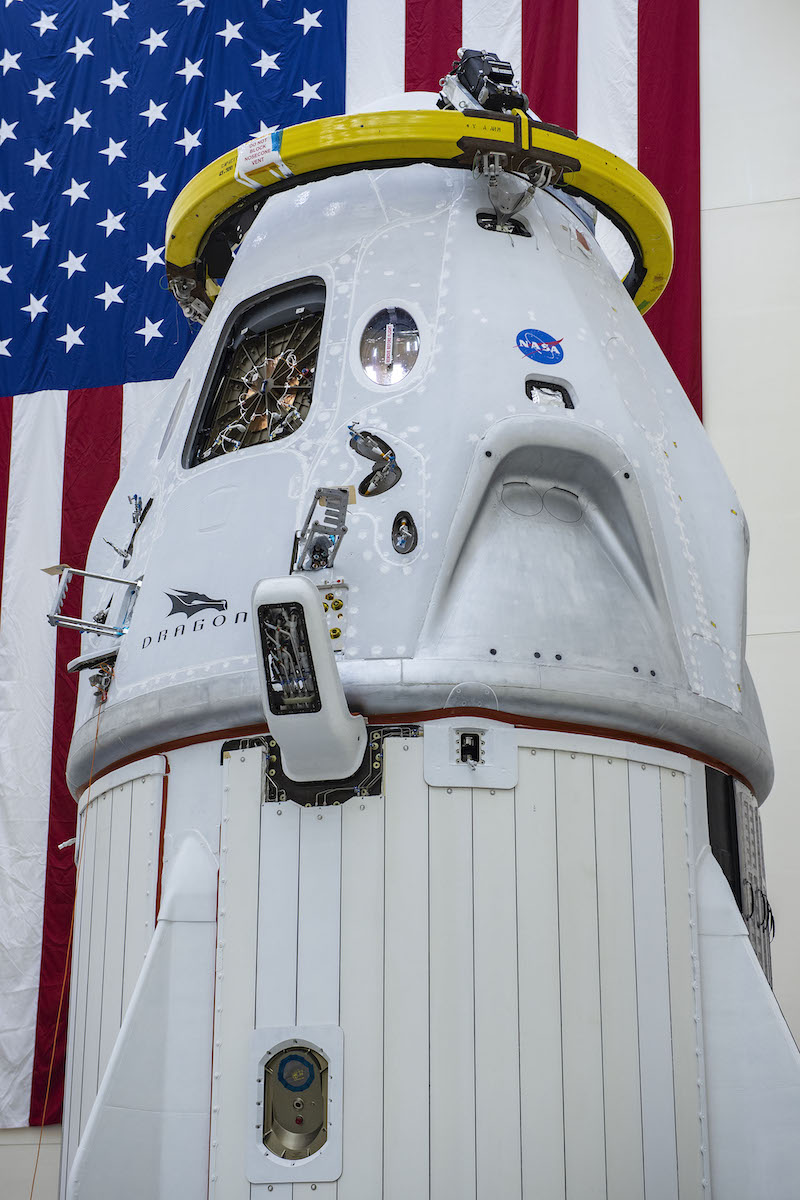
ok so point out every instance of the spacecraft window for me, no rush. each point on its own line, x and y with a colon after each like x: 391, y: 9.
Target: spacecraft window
x: 389, y: 345
x: 263, y: 383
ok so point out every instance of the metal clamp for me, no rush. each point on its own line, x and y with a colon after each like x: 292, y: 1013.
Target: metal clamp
x: 317, y: 543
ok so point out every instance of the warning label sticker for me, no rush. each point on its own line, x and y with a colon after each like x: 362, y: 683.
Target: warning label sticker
x: 259, y: 154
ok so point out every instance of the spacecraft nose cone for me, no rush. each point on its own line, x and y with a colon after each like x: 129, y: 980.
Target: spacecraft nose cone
x: 398, y: 102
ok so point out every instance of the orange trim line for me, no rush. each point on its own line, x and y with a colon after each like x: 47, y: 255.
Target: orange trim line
x: 435, y: 714
x: 178, y: 744
x: 214, y: 1009
x: 164, y: 787
x: 602, y: 731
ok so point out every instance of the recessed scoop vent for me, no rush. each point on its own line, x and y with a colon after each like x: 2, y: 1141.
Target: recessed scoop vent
x: 553, y: 563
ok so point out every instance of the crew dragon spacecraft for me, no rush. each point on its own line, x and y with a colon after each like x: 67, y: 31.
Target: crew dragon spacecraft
x: 416, y: 757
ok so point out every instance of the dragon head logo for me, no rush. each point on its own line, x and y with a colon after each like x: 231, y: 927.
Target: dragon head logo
x: 191, y: 603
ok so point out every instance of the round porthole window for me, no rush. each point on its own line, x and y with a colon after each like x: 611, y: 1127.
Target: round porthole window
x: 389, y: 345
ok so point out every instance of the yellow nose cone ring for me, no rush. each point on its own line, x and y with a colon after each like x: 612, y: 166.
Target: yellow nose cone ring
x: 247, y: 175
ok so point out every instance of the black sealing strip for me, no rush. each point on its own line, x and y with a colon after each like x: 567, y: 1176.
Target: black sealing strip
x: 635, y: 277
x: 484, y: 114
x: 632, y: 282
x: 567, y: 133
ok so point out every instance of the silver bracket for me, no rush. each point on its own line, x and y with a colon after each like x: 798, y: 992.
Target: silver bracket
x: 191, y: 296
x: 454, y: 95
x: 317, y: 543
x: 101, y: 681
x: 66, y: 575
x: 138, y: 515
x: 542, y: 174
x: 510, y: 191
x: 490, y: 164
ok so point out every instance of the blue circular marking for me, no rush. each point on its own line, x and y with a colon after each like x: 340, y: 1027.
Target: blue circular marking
x: 302, y: 1084
x: 540, y: 346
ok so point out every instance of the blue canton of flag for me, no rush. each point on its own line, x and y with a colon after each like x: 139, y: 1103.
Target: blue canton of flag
x: 105, y: 114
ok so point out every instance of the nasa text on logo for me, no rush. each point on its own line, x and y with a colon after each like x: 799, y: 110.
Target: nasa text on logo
x: 540, y: 346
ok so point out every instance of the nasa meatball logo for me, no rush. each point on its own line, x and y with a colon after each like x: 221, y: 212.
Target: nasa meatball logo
x: 540, y: 346
x: 191, y: 603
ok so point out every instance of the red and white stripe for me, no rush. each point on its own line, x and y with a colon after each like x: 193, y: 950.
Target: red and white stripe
x: 623, y: 73
x: 60, y: 456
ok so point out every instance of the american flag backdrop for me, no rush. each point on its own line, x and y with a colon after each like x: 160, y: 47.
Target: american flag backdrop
x: 106, y: 110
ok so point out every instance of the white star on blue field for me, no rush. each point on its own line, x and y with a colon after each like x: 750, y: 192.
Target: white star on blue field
x: 106, y: 111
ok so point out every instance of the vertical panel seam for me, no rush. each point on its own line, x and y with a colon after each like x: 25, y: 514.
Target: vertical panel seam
x: 152, y: 846
x: 125, y: 918
x: 430, y: 1015
x: 214, y: 988
x: 297, y: 920
x: 636, y: 980
x: 599, y: 975
x: 661, y: 802
x: 516, y: 939
x: 383, y: 993
x: 339, y: 974
x: 428, y: 907
x: 69, y: 1123
x: 81, y: 1126
x: 109, y: 801
x: 696, y: 981
x: 341, y: 887
x: 556, y: 807
x: 219, y: 952
x: 258, y: 901
x: 474, y: 991
x: 474, y: 1027
x: 635, y: 976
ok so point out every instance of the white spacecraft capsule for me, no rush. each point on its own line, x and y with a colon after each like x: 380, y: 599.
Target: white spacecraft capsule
x: 417, y: 759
